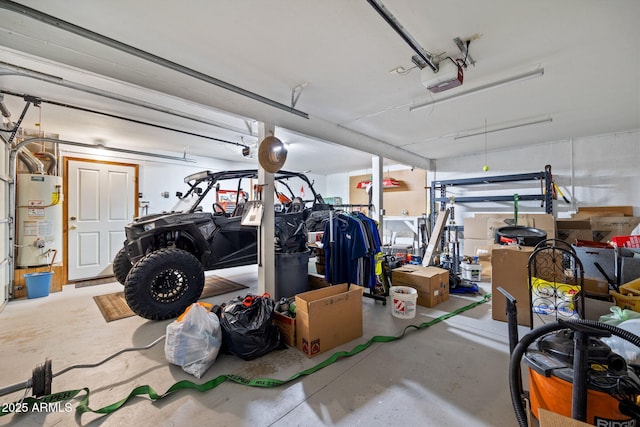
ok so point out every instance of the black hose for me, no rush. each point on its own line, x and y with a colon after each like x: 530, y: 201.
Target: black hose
x: 29, y: 383
x: 519, y: 350
x: 93, y: 365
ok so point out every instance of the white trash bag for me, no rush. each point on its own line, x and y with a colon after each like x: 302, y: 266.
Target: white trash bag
x: 193, y: 340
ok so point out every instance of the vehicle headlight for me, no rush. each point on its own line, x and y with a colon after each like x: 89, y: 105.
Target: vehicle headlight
x: 150, y: 226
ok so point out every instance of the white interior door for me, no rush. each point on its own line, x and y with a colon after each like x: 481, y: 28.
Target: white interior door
x: 101, y: 201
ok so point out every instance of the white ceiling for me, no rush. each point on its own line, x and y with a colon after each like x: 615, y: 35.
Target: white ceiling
x: 345, y: 52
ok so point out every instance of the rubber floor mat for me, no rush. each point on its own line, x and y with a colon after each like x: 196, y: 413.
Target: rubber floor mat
x: 114, y: 307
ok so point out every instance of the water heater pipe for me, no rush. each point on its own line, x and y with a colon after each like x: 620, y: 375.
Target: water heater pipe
x: 33, y: 164
x: 53, y: 161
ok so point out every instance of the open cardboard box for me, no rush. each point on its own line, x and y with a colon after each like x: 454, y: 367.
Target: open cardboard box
x: 287, y: 327
x: 328, y: 317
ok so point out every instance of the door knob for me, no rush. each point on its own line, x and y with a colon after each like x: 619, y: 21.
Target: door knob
x: 73, y: 218
x: 73, y: 227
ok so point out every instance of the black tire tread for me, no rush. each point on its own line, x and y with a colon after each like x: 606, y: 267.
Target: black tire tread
x: 121, y: 266
x: 136, y: 288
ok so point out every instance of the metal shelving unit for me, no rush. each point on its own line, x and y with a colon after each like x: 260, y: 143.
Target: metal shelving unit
x: 441, y: 186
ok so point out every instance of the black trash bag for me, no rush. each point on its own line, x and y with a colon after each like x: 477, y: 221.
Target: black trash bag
x: 317, y: 220
x: 247, y: 327
x: 290, y: 233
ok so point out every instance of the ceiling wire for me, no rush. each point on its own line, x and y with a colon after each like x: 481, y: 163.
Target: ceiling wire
x: 115, y: 116
x: 401, y: 71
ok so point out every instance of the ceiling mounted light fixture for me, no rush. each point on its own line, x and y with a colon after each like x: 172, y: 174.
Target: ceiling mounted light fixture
x: 517, y: 78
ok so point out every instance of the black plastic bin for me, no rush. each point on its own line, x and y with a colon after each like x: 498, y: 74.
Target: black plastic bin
x: 292, y: 274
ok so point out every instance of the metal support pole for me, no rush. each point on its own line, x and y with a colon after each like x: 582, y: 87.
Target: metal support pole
x: 266, y: 232
x: 377, y: 199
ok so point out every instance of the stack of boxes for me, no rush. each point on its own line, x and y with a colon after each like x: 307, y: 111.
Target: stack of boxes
x: 506, y: 266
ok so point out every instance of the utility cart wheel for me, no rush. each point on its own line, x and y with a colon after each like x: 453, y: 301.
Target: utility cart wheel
x: 121, y: 266
x: 163, y: 284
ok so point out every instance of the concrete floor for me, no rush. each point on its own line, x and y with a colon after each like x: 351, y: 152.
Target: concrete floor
x: 451, y: 374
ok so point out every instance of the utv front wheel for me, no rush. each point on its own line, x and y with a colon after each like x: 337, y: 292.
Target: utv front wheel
x: 163, y: 284
x: 121, y: 266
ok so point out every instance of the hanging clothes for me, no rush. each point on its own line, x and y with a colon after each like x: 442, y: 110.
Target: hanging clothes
x: 342, y: 254
x: 374, y: 259
x: 351, y: 257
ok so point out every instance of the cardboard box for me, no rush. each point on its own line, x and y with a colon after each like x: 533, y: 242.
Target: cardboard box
x: 595, y: 308
x: 509, y: 271
x: 328, y: 317
x: 476, y: 247
x: 316, y: 281
x: 605, y: 228
x: 599, y: 225
x: 591, y: 211
x: 571, y: 230
x: 596, y: 287
x: 485, y: 262
x: 552, y: 419
x: 475, y: 228
x: 484, y: 226
x: 287, y: 327
x: 432, y: 283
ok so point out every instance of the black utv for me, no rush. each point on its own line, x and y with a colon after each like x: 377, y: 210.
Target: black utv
x: 164, y: 258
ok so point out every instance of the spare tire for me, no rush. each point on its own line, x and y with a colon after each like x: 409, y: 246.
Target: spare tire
x: 519, y: 234
x: 121, y: 266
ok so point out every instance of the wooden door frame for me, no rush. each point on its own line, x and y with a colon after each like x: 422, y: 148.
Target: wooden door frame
x: 65, y: 204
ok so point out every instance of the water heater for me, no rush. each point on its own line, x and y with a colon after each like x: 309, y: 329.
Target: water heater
x: 39, y: 219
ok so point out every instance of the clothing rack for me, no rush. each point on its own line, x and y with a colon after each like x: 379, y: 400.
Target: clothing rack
x: 354, y: 205
x: 351, y: 242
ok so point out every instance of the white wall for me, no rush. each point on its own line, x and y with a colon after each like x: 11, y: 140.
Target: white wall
x: 319, y: 184
x: 592, y: 171
x: 159, y: 175
x: 338, y: 186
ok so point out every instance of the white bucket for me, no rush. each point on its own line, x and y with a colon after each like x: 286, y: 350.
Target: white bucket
x: 403, y: 302
x: 471, y: 272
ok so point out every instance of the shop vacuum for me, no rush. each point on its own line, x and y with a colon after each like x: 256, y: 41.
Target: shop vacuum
x: 573, y: 372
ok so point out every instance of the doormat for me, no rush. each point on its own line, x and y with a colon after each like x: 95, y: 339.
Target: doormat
x: 114, y: 306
